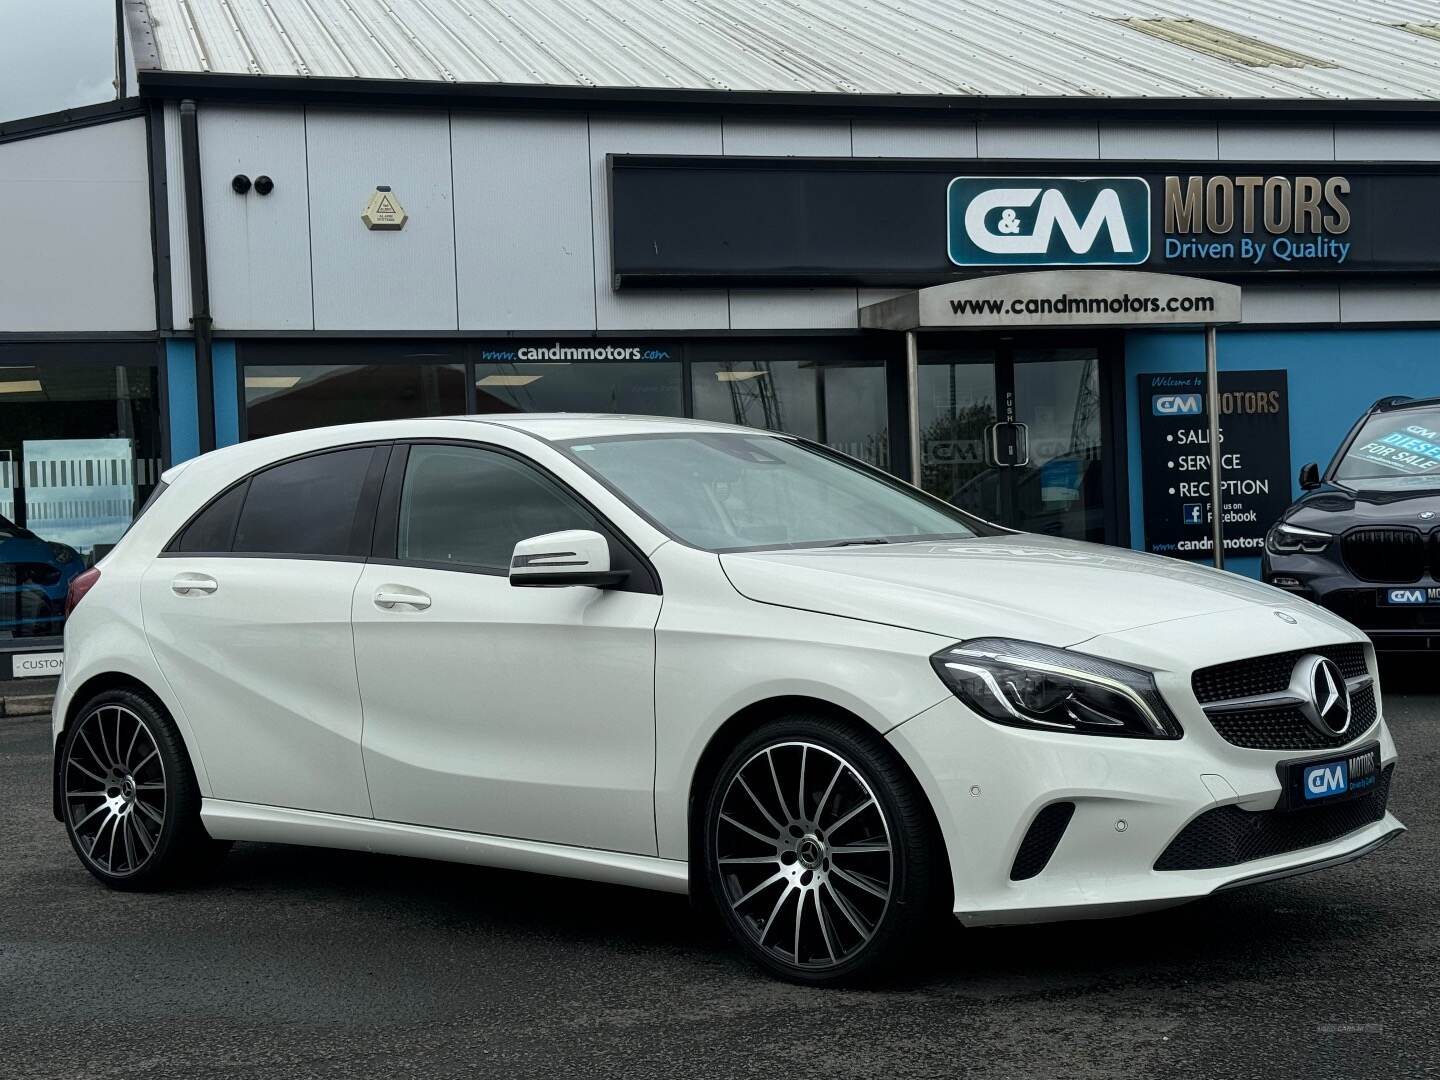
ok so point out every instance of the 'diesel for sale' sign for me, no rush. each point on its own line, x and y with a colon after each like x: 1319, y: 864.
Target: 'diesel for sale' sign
x: 1175, y: 460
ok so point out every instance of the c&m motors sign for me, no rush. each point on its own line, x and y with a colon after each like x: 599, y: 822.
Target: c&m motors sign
x: 891, y: 223
x: 1048, y: 221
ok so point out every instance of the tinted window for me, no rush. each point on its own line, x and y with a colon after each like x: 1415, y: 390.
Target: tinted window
x: 214, y: 528
x: 469, y: 508
x: 305, y: 507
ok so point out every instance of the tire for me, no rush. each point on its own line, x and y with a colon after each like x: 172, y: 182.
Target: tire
x: 830, y: 879
x: 128, y: 795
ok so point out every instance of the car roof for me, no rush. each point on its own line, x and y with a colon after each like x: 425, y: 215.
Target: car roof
x: 560, y: 427
x: 548, y: 427
x: 1399, y: 404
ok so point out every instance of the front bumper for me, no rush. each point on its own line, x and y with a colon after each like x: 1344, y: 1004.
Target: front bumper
x: 1132, y: 797
x: 1326, y: 582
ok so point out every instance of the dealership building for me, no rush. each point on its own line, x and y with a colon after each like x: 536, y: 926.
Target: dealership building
x: 805, y: 215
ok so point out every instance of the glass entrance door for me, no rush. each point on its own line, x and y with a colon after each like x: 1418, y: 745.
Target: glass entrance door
x: 1014, y: 432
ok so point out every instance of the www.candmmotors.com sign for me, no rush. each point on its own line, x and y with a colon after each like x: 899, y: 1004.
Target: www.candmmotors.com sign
x: 1048, y: 221
x: 870, y: 221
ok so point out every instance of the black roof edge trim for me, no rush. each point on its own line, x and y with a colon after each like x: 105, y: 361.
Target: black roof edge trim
x: 103, y: 112
x: 401, y: 92
x: 1401, y: 402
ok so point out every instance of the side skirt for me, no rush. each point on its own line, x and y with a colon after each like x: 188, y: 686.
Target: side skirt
x: 226, y: 820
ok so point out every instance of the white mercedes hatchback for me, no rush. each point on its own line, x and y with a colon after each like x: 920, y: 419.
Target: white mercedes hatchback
x: 699, y: 658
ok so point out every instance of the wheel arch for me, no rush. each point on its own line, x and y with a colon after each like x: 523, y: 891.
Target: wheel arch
x: 740, y: 724
x: 97, y: 684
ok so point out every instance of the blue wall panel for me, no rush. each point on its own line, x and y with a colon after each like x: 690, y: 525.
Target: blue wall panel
x: 227, y: 393
x: 1334, y: 376
x: 180, y: 388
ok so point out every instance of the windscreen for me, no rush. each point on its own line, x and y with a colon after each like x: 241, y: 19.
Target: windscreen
x: 1394, y: 450
x: 737, y: 492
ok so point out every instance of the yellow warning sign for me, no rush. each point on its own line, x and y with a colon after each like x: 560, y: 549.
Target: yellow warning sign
x: 384, y: 211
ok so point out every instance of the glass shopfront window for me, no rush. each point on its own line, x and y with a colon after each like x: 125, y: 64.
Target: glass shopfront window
x: 80, y: 451
x: 832, y: 392
x: 838, y: 402
x: 282, y: 397
x: 639, y: 388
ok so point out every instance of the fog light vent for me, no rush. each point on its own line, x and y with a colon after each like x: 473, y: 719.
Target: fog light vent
x: 1041, y: 840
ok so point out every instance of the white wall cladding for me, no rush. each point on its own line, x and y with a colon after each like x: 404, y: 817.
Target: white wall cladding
x: 907, y: 138
x: 1277, y: 142
x: 1165, y: 142
x: 525, y: 250
x: 523, y: 245
x: 381, y: 280
x: 76, y: 247
x: 1037, y: 140
x: 1293, y: 304
x: 1387, y: 142
x: 269, y: 287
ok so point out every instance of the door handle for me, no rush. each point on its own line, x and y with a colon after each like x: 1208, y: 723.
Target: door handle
x: 194, y: 585
x: 389, y: 597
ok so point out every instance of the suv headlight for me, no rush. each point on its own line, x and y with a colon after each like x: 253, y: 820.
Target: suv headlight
x: 1021, y: 684
x: 1286, y: 539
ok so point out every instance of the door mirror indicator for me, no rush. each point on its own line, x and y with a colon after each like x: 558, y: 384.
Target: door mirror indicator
x: 1309, y: 476
x: 572, y: 557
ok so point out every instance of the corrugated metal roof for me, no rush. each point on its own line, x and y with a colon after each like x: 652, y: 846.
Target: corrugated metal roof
x: 1000, y: 48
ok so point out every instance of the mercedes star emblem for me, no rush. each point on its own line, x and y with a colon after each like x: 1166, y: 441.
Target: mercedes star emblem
x: 1325, y: 699
x: 1285, y: 616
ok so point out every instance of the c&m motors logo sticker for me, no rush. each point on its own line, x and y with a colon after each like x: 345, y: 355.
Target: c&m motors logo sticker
x: 1048, y: 220
x: 1177, y: 404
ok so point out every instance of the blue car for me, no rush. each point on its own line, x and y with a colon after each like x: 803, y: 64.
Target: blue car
x: 34, y: 577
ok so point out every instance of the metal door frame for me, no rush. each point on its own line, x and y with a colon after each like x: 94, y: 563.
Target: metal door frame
x: 903, y: 382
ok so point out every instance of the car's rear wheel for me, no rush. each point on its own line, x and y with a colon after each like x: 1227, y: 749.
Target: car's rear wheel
x: 819, y: 851
x: 130, y: 802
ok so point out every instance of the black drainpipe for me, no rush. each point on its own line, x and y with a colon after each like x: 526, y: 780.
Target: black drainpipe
x: 199, y: 277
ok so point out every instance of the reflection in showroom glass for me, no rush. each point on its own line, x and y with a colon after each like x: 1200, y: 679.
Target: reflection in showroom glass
x: 79, y: 452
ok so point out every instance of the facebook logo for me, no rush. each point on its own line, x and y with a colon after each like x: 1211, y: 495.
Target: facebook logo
x: 1192, y: 513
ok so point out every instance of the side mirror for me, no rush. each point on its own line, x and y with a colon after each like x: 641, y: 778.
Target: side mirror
x: 1309, y: 476
x: 573, y: 557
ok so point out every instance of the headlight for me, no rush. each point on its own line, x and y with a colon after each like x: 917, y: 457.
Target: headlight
x: 62, y: 553
x: 1286, y: 539
x: 1033, y: 686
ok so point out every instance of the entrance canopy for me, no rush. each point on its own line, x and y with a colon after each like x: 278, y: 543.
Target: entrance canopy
x: 1063, y: 298
x: 1051, y: 298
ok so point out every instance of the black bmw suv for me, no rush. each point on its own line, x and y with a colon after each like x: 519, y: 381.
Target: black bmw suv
x: 1364, y: 539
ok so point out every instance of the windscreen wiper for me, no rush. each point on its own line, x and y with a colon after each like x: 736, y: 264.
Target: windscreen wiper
x: 856, y: 543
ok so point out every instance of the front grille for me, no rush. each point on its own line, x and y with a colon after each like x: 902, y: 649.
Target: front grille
x: 1388, y: 554
x: 1287, y: 729
x: 1041, y: 840
x: 1282, y: 728
x: 1269, y: 674
x: 1228, y: 836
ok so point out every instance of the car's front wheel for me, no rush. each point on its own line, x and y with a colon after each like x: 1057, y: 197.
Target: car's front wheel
x: 128, y: 794
x: 819, y: 851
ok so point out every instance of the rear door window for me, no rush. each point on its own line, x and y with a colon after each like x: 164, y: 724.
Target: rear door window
x: 309, y: 506
x: 214, y: 527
